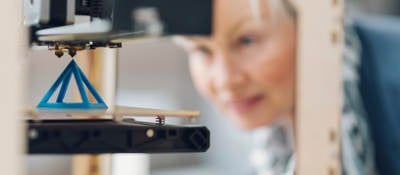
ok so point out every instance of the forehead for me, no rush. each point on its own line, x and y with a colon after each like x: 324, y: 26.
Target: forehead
x: 229, y: 14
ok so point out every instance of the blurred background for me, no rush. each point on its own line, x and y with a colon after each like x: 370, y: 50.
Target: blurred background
x: 391, y: 7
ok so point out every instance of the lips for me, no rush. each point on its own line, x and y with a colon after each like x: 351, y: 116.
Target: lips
x: 244, y: 104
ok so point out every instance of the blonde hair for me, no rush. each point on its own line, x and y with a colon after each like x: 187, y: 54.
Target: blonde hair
x: 280, y: 9
x: 283, y: 7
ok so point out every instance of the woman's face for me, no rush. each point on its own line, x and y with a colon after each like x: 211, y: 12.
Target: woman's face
x: 247, y: 67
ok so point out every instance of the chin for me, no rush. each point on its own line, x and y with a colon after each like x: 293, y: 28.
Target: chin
x: 252, y: 119
x: 245, y: 126
x: 245, y: 123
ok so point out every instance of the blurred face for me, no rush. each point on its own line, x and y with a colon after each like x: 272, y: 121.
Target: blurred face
x: 246, y: 68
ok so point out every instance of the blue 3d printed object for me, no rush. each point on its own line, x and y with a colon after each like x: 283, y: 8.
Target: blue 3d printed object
x: 81, y: 82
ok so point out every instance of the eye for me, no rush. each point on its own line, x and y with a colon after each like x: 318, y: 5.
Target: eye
x: 247, y: 40
x: 204, y: 50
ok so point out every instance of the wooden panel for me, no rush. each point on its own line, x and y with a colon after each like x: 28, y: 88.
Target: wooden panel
x: 100, y: 66
x: 12, y: 47
x: 112, y: 111
x: 319, y: 96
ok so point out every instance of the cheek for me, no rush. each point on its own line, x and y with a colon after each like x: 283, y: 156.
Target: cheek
x: 275, y: 69
x: 276, y: 65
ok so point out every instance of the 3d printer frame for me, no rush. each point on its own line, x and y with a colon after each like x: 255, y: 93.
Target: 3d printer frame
x: 95, y: 136
x: 111, y: 21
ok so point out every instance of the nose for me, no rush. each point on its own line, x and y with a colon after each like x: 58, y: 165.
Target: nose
x: 228, y: 72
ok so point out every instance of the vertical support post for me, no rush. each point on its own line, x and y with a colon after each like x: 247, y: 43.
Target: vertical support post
x: 319, y: 87
x: 12, y: 46
x: 100, y: 66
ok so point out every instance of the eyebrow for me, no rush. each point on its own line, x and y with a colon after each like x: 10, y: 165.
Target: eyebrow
x: 235, y: 28
x: 202, y: 40
x: 196, y: 41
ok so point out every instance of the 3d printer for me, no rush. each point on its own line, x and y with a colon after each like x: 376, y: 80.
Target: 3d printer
x: 52, y: 24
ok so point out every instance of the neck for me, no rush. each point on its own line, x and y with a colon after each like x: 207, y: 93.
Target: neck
x: 283, y: 127
x: 289, y: 124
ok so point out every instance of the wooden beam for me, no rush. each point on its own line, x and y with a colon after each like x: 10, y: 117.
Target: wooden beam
x: 100, y: 66
x: 319, y: 87
x: 12, y: 47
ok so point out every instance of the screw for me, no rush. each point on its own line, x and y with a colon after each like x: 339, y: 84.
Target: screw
x: 150, y: 133
x: 160, y: 120
x: 33, y: 134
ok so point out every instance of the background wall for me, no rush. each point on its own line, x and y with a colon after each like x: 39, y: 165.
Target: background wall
x: 373, y: 7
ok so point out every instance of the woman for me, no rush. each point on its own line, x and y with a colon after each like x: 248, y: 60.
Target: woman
x: 247, y: 69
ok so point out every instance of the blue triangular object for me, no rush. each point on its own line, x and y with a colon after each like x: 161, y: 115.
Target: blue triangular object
x: 81, y: 82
